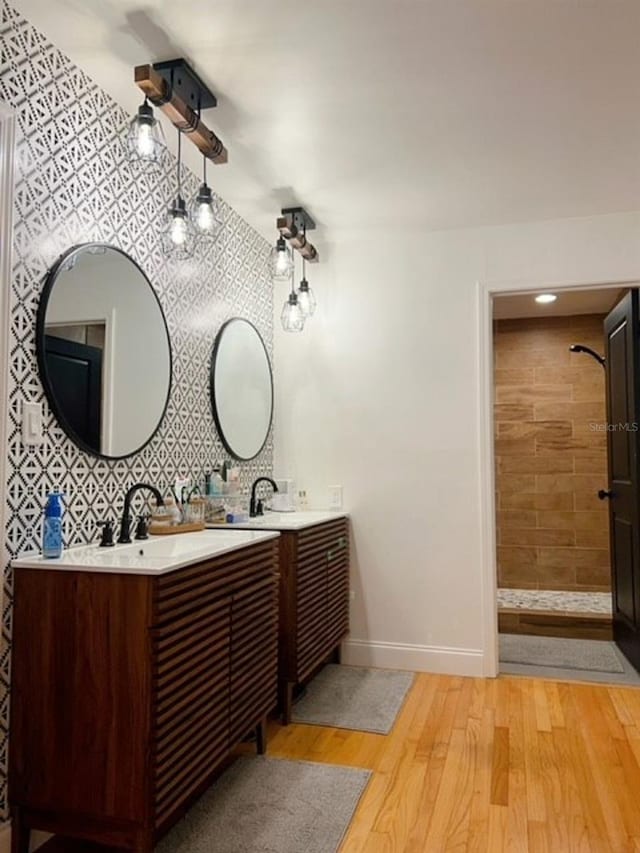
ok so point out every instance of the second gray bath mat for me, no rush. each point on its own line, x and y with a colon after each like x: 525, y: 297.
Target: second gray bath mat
x: 350, y: 697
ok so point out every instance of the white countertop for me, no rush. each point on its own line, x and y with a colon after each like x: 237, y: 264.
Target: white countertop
x: 283, y: 520
x: 157, y: 555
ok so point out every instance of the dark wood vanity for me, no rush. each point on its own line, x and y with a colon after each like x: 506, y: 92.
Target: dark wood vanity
x: 128, y: 690
x: 314, y: 601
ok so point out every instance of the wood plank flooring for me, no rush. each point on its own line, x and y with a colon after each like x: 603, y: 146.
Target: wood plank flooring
x: 511, y: 764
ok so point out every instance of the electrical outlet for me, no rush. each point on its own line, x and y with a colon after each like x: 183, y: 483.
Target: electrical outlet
x: 335, y: 497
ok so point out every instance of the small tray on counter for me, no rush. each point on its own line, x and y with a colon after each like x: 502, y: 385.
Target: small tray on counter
x: 170, y: 529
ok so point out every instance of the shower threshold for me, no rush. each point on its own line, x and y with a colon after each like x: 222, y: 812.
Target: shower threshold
x: 555, y: 600
x: 555, y: 613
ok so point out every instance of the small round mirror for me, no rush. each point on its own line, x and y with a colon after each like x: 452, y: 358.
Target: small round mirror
x: 241, y: 389
x: 103, y: 350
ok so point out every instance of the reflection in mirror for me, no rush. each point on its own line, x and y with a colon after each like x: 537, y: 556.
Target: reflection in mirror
x: 103, y: 350
x: 241, y: 389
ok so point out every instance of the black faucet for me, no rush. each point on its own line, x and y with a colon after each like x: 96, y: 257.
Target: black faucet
x: 125, y: 524
x: 255, y: 506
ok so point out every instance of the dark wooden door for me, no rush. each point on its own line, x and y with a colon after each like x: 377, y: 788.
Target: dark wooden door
x: 622, y: 353
x: 75, y: 373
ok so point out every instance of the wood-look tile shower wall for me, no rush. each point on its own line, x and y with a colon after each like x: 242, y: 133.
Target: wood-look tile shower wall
x: 550, y: 455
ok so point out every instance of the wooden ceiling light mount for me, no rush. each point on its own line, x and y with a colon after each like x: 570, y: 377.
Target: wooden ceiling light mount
x: 177, y: 90
x: 293, y: 225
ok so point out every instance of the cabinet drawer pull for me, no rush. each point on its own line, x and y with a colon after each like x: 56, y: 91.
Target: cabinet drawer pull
x: 341, y: 545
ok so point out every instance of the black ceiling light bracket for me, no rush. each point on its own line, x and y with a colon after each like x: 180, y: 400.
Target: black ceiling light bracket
x: 184, y: 81
x: 300, y: 218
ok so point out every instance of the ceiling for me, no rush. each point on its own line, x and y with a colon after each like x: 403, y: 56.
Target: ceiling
x: 569, y: 303
x: 388, y: 114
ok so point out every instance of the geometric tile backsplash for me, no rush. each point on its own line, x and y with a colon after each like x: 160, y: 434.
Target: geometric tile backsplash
x: 74, y: 184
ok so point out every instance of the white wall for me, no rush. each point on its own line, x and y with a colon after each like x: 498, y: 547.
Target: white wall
x: 380, y: 394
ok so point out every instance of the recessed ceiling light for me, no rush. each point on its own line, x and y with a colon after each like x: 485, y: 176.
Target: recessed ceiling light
x: 546, y: 298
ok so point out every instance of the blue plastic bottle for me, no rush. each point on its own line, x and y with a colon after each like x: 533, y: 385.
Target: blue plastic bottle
x: 52, y: 528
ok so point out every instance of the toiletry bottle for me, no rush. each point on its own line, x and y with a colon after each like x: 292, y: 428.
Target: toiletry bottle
x: 172, y: 510
x: 216, y: 484
x: 52, y: 527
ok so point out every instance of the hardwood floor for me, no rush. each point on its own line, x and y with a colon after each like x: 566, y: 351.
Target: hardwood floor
x: 511, y: 764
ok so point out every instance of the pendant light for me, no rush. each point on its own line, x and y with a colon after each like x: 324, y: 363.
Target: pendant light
x: 281, y: 261
x: 145, y: 137
x: 292, y: 318
x: 306, y: 296
x: 178, y: 234
x: 204, y: 213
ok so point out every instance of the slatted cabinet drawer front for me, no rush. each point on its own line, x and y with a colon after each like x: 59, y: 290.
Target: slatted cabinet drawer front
x: 191, y: 701
x: 214, y: 667
x: 181, y: 592
x: 254, y: 654
x: 322, y: 593
x: 338, y: 590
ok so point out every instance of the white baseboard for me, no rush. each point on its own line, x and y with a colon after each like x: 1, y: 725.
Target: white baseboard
x: 436, y: 659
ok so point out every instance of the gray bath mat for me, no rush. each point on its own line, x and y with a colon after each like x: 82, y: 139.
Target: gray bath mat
x: 593, y: 655
x: 350, y: 697
x: 267, y: 805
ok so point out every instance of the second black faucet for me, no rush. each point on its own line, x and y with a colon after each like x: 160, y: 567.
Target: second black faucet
x: 255, y: 506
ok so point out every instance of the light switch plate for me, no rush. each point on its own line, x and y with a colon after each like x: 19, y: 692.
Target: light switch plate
x: 32, y: 424
x: 335, y: 497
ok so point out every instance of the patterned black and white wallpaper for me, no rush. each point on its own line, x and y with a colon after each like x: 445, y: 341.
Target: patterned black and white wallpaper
x: 74, y: 184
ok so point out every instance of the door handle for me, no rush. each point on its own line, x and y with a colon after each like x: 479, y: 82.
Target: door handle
x: 604, y: 493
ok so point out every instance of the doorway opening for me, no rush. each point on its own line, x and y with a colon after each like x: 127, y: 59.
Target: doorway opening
x: 552, y: 442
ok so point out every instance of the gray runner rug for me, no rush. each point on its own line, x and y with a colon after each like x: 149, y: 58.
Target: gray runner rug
x: 590, y: 655
x: 350, y: 697
x: 268, y: 805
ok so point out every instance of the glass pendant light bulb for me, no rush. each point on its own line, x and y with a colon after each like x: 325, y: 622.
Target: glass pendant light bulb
x: 306, y: 296
x: 145, y: 137
x: 204, y: 211
x: 292, y: 317
x: 281, y: 261
x: 178, y: 233
x: 144, y: 141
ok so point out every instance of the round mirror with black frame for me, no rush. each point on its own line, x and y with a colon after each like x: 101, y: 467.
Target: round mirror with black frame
x: 241, y: 389
x: 103, y: 350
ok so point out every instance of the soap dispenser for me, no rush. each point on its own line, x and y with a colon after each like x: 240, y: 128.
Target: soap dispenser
x: 52, y: 527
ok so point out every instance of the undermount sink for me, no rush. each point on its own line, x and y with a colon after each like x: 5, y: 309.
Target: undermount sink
x: 149, y: 556
x: 179, y: 545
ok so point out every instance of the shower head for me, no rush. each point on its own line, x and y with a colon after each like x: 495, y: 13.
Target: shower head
x: 582, y: 348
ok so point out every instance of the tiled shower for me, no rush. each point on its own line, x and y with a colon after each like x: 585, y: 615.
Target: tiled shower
x: 551, y: 460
